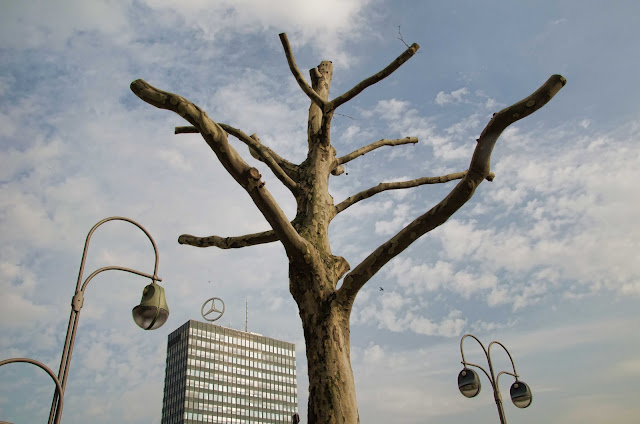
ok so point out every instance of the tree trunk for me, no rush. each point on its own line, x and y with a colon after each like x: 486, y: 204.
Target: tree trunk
x: 325, y: 320
x: 332, y: 394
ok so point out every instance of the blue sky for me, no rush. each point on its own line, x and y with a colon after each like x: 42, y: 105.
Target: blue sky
x: 543, y: 259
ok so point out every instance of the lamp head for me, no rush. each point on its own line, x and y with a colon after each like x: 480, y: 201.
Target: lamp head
x: 521, y: 394
x: 469, y: 383
x: 152, y: 311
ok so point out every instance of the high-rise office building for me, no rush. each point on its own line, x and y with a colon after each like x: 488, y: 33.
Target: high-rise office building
x: 221, y: 375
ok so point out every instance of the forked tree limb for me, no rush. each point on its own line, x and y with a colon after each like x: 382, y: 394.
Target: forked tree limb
x: 326, y: 106
x: 264, y: 154
x: 366, y: 149
x: 290, y: 168
x: 249, y: 178
x: 479, y: 169
x: 315, y: 98
x: 229, y: 242
x: 358, y: 88
x: 365, y: 194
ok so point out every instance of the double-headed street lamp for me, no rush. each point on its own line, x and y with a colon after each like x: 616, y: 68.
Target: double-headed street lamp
x: 469, y: 382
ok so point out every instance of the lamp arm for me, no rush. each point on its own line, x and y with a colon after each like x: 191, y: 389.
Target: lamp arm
x: 513, y: 365
x: 95, y: 227
x: 476, y: 339
x: 51, y: 374
x: 505, y: 372
x: 478, y: 366
x: 486, y: 354
x: 153, y: 278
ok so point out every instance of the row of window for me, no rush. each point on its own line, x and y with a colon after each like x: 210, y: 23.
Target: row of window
x: 250, y: 369
x: 244, y: 340
x: 213, y: 378
x: 283, y: 357
x: 236, y: 394
x: 228, y: 418
x: 212, y: 356
x: 255, y: 410
x: 256, y: 393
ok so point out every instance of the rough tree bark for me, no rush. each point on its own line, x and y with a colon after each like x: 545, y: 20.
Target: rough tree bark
x: 314, y: 271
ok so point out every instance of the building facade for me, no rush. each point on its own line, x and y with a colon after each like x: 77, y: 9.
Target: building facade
x: 221, y: 375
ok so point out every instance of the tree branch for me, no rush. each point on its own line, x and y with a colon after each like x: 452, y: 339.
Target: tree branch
x: 249, y: 178
x: 229, y: 242
x: 399, y: 61
x: 298, y: 75
x: 366, y: 149
x: 480, y: 161
x: 319, y: 122
x: 186, y: 130
x: 365, y: 194
x: 264, y: 155
x: 290, y: 168
x: 479, y: 169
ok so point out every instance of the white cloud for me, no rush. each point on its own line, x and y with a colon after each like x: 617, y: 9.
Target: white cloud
x: 462, y: 127
x: 33, y: 23
x: 305, y: 23
x: 451, y: 326
x: 401, y: 217
x: 456, y: 96
x: 175, y: 159
x: 391, y: 110
x: 491, y: 103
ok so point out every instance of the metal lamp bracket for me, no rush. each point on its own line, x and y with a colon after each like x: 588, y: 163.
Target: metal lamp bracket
x: 77, y: 301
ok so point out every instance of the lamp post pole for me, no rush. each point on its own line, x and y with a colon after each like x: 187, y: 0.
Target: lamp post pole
x: 78, y: 300
x: 469, y: 383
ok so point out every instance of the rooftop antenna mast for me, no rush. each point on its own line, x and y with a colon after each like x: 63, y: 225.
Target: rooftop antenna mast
x: 246, y: 314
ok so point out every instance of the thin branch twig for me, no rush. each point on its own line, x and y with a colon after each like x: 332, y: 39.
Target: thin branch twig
x: 366, y: 149
x: 322, y: 104
x: 358, y: 88
x: 365, y: 194
x: 400, y: 37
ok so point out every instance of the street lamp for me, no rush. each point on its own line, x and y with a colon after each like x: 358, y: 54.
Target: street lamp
x: 469, y: 382
x: 58, y: 414
x: 151, y: 313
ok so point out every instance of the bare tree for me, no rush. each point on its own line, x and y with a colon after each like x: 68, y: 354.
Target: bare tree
x: 314, y: 271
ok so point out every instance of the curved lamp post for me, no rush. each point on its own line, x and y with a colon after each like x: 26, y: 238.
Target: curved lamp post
x: 51, y: 374
x: 151, y: 313
x: 469, y: 382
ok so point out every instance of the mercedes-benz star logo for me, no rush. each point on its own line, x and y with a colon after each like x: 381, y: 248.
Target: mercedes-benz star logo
x: 214, y: 312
